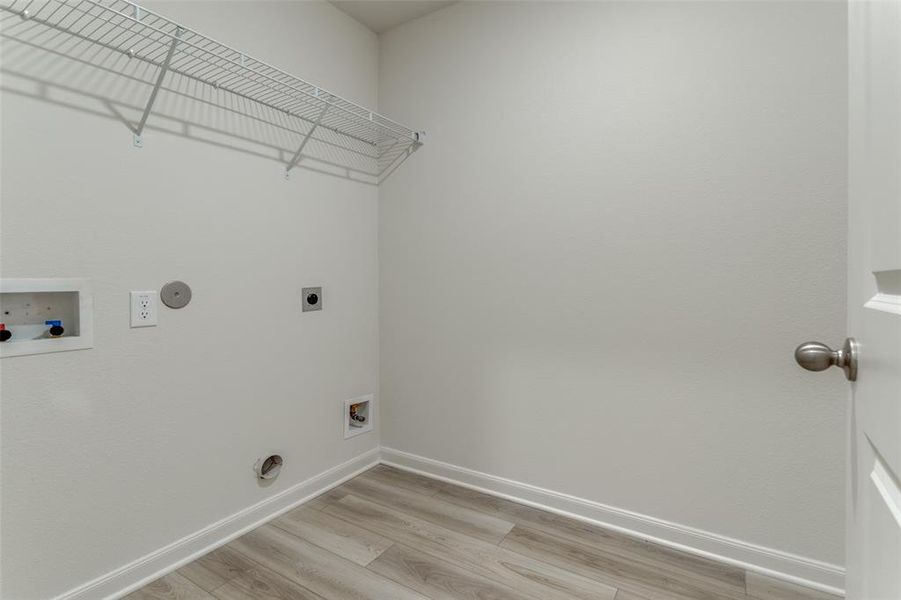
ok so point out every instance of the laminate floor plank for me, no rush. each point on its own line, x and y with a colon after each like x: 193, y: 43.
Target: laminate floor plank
x: 263, y: 584
x: 624, y: 595
x: 336, y: 535
x: 217, y: 568
x: 170, y: 587
x: 609, y: 568
x: 681, y: 564
x: 530, y: 577
x: 405, y: 479
x: 390, y: 534
x: 323, y: 500
x: 452, y: 516
x: 201, y: 576
x: 317, y: 569
x: 438, y: 579
x: 761, y: 587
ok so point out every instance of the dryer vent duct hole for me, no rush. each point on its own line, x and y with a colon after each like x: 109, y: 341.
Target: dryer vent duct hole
x: 269, y: 467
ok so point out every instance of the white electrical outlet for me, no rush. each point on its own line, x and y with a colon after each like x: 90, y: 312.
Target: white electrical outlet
x: 144, y: 308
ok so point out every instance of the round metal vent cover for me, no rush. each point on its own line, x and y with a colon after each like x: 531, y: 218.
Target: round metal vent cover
x: 175, y: 294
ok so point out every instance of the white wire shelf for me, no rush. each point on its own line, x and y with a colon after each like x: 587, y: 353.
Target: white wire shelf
x: 123, y: 27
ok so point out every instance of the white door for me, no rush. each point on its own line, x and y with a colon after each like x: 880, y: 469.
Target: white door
x: 874, y: 300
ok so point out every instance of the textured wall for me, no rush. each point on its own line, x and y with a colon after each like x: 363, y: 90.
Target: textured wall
x: 626, y: 217
x: 114, y: 452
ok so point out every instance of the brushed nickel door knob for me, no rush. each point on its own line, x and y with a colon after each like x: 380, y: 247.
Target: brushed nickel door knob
x: 815, y: 356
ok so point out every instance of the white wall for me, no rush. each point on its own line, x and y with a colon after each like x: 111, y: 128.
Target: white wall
x: 594, y: 274
x: 114, y: 452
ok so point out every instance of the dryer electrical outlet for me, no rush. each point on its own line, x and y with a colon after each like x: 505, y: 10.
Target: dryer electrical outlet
x: 312, y: 298
x: 144, y: 308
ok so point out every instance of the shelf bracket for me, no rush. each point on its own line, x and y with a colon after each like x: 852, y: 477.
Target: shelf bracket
x: 164, y: 68
x: 306, y: 139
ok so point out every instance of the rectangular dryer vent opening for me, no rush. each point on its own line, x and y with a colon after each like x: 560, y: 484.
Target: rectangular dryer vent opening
x: 358, y: 415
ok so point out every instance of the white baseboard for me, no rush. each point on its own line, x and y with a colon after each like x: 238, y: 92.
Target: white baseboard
x: 132, y: 576
x: 775, y: 563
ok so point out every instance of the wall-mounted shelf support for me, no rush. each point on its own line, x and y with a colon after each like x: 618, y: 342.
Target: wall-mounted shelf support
x: 139, y: 128
x: 293, y: 162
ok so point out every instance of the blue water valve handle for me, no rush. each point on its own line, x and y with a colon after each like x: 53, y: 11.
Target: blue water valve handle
x: 56, y: 327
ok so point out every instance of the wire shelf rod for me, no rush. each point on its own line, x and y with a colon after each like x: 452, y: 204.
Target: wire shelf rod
x: 303, y: 144
x: 387, y: 125
x: 347, y: 131
x: 91, y: 28
x: 156, y: 87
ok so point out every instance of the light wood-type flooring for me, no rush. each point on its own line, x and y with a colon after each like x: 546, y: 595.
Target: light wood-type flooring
x: 392, y: 535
